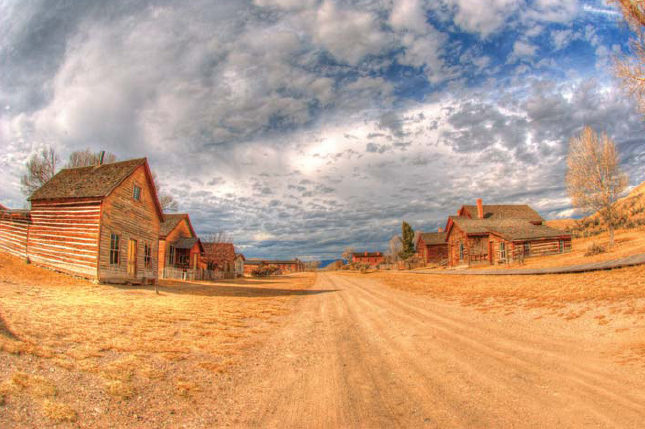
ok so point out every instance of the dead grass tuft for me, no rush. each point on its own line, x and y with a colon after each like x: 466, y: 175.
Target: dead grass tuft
x: 59, y: 412
x: 127, y: 339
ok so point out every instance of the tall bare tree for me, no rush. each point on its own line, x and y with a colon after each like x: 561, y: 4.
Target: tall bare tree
x: 347, y: 254
x: 40, y: 168
x: 594, y: 178
x: 631, y: 69
x: 86, y: 158
x: 167, y: 201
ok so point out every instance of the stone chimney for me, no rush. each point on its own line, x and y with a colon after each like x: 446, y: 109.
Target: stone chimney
x: 480, y: 209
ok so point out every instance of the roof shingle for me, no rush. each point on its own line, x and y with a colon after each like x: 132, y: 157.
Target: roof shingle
x: 85, y: 182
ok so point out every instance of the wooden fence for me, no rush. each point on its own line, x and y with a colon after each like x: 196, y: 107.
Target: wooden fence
x: 196, y: 274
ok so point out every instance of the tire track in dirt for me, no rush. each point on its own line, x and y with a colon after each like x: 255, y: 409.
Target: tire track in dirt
x: 512, y: 353
x: 369, y: 356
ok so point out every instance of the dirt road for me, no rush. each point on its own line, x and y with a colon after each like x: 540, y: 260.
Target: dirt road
x: 365, y: 355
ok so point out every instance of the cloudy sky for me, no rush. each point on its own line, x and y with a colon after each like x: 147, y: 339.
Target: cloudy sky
x: 304, y: 126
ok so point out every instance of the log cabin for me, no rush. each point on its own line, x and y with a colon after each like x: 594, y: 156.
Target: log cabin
x: 14, y: 231
x: 99, y: 222
x: 495, y: 234
x: 179, y: 247
x: 432, y: 247
x: 284, y: 266
x: 370, y: 258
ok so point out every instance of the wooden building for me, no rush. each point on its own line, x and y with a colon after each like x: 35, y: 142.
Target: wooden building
x: 284, y: 266
x: 99, y: 222
x: 179, y: 247
x: 432, y: 247
x: 370, y: 258
x: 493, y: 234
x: 239, y: 264
x: 220, y: 257
x: 14, y: 231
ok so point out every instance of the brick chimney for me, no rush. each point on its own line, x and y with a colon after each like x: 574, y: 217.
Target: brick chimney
x: 365, y: 253
x: 480, y: 209
x: 440, y: 229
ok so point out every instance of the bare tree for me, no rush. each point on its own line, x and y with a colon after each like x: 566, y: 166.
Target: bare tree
x: 40, y: 168
x: 347, y: 254
x: 631, y: 69
x: 594, y: 178
x: 217, y: 237
x: 396, y: 246
x: 86, y: 158
x: 167, y: 201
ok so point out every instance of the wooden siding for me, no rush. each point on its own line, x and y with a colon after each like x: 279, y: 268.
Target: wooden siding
x: 181, y: 230
x: 64, y: 235
x: 130, y: 219
x: 13, y: 235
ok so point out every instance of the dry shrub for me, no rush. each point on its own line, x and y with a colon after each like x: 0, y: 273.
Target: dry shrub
x: 120, y: 389
x: 185, y: 388
x: 595, y: 249
x: 59, y: 412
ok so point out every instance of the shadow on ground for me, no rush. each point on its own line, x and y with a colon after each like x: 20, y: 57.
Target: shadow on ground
x: 185, y: 288
x: 5, y: 331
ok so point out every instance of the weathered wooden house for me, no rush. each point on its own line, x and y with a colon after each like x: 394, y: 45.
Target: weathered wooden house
x: 493, y: 234
x: 370, y: 258
x: 99, y: 222
x: 239, y: 264
x: 432, y: 247
x: 220, y: 257
x: 284, y: 266
x: 14, y: 231
x: 179, y: 247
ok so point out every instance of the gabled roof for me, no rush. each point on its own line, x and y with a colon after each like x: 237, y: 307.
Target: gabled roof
x: 188, y: 243
x: 367, y: 254
x: 171, y: 220
x: 503, y: 211
x: 97, y: 181
x: 240, y: 255
x: 430, y: 238
x: 510, y: 229
x: 271, y: 261
x: 2, y: 208
x: 219, y: 252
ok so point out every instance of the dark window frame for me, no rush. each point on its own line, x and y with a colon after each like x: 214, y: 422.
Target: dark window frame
x: 171, y: 255
x: 137, y: 193
x: 147, y: 256
x: 115, y: 249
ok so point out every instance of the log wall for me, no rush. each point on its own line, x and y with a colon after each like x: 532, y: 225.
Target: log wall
x: 63, y: 235
x: 13, y: 234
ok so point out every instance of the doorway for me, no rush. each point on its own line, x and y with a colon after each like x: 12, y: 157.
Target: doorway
x: 132, y: 258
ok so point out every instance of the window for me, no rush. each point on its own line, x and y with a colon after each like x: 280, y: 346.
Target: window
x: 461, y: 251
x: 561, y: 246
x: 171, y: 256
x: 502, y: 251
x: 136, y: 193
x: 115, y: 249
x: 527, y: 249
x: 183, y: 259
x: 147, y: 256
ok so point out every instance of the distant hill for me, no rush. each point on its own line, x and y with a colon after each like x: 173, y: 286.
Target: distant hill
x: 630, y: 208
x: 326, y: 262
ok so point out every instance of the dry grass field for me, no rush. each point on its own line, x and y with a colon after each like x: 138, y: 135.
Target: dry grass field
x: 80, y: 354
x: 612, y: 299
